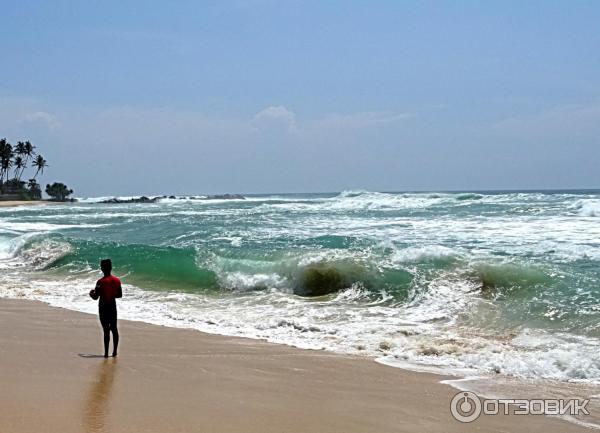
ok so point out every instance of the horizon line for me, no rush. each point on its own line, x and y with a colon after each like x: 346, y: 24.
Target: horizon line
x: 448, y: 191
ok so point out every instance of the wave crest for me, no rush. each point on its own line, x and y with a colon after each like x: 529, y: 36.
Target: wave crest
x: 588, y: 208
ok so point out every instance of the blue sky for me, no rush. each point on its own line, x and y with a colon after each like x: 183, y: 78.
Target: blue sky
x: 188, y: 97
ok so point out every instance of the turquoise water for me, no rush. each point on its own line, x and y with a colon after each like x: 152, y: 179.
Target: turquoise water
x: 503, y: 282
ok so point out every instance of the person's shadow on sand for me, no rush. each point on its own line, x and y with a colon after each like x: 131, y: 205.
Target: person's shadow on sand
x: 96, y: 408
x: 89, y: 355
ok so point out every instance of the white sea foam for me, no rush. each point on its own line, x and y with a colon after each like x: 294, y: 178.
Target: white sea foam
x: 240, y: 281
x: 402, y: 339
x: 6, y: 247
x: 10, y: 245
x: 103, y: 198
x: 424, y: 252
x: 588, y: 208
x: 41, y: 226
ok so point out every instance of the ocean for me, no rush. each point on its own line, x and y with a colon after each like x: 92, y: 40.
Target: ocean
x: 503, y: 284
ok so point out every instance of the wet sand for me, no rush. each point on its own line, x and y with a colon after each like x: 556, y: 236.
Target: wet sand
x: 175, y: 380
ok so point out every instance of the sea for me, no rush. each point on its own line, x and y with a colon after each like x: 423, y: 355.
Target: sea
x: 501, y: 284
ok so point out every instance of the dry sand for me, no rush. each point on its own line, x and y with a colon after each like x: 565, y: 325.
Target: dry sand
x: 174, y: 380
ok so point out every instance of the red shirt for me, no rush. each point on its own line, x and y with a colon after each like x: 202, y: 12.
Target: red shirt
x: 108, y: 289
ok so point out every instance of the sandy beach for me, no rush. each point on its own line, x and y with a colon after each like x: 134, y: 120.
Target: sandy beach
x: 177, y: 380
x: 9, y: 203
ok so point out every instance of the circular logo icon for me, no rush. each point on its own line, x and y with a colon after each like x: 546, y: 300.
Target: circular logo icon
x: 465, y: 406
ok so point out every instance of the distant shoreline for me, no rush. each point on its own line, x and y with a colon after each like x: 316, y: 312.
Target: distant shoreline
x: 10, y: 203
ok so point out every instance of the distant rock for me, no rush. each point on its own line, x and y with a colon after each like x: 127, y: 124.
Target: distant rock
x: 144, y: 199
x: 223, y: 197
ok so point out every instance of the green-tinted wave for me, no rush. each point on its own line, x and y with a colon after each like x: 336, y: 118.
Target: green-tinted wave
x: 154, y: 267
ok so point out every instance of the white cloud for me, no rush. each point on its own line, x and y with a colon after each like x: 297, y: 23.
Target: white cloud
x: 564, y: 122
x: 365, y: 119
x: 44, y: 118
x: 275, y: 116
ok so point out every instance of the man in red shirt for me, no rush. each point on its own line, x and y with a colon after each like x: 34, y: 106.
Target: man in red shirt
x: 108, y: 288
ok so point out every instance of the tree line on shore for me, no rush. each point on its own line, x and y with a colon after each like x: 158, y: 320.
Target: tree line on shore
x: 14, y: 161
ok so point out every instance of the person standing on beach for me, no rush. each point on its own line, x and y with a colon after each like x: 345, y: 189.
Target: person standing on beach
x: 108, y: 289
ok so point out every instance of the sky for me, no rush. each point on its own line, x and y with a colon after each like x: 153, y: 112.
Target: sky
x: 190, y: 97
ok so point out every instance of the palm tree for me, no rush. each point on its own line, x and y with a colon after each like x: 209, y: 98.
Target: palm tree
x: 40, y: 163
x: 6, y: 155
x: 20, y: 148
x: 20, y: 151
x: 19, y: 165
x: 6, y: 164
x: 29, y: 150
x: 3, y: 144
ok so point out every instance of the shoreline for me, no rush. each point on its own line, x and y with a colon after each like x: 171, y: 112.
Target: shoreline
x: 14, y: 203
x: 173, y: 379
